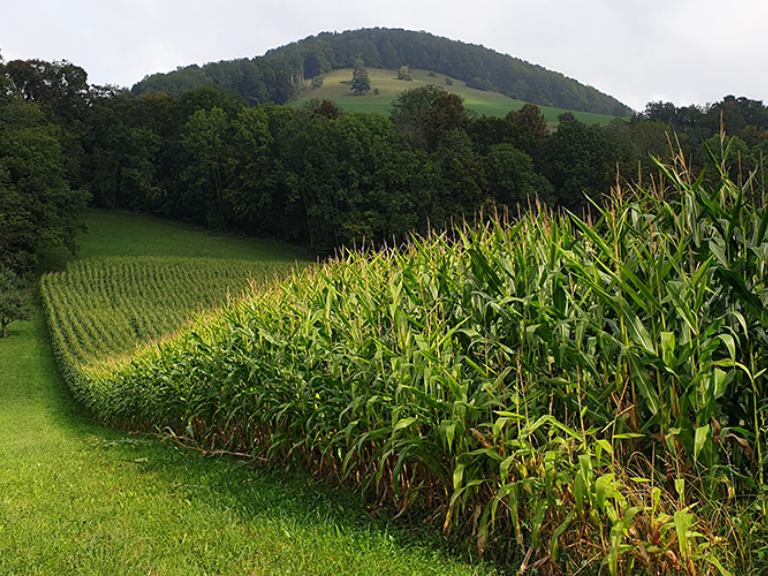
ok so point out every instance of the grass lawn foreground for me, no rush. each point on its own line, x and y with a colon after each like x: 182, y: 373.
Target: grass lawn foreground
x: 76, y: 498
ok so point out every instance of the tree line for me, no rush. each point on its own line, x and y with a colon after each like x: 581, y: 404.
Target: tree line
x: 314, y: 175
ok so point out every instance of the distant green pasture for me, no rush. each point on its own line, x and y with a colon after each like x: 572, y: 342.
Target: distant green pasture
x: 336, y: 87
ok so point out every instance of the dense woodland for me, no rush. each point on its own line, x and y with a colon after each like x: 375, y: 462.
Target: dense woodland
x: 315, y: 175
x: 281, y: 73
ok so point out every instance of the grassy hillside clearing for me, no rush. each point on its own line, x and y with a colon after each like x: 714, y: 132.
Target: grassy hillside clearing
x: 125, y: 234
x: 336, y: 87
x: 78, y: 499
x: 578, y: 396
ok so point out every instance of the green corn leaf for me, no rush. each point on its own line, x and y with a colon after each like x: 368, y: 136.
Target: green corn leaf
x: 668, y: 348
x: 499, y: 425
x: 730, y: 343
x: 639, y: 333
x: 555, y: 540
x: 736, y: 283
x: 716, y: 563
x: 683, y: 521
x: 538, y: 520
x: 578, y: 492
x: 605, y: 445
x: 701, y: 437
x: 404, y: 423
x: 680, y: 488
x: 626, y: 435
x: 458, y: 476
x: 504, y: 467
x: 450, y: 434
x: 644, y: 384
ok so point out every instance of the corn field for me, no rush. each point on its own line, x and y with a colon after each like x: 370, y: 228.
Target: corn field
x: 103, y: 310
x: 575, y: 395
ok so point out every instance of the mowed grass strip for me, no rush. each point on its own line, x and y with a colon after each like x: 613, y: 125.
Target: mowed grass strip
x: 78, y: 499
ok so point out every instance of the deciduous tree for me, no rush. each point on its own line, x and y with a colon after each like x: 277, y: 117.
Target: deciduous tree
x: 581, y: 162
x: 445, y: 115
x: 410, y: 108
x: 205, y: 141
x: 361, y: 82
x: 38, y: 210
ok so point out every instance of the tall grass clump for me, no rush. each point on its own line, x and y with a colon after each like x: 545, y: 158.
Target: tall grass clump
x: 577, y: 395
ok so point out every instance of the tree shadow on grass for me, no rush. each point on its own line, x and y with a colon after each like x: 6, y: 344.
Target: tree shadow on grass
x: 292, y: 498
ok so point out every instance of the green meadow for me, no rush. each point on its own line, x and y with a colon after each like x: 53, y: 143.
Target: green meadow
x: 336, y: 87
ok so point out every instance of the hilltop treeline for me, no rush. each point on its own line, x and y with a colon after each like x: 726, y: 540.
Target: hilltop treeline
x: 315, y: 176
x: 280, y: 73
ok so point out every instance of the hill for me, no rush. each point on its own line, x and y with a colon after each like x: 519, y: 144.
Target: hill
x: 385, y: 87
x: 282, y: 74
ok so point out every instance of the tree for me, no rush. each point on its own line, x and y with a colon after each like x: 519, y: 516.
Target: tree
x: 59, y: 87
x: 581, y: 162
x: 61, y: 91
x: 530, y: 132
x: 461, y: 187
x: 123, y: 146
x: 488, y: 131
x: 410, y: 108
x: 38, y: 210
x: 14, y: 298
x: 206, y: 140
x: 512, y: 178
x: 251, y: 173
x: 405, y: 73
x: 328, y: 109
x: 360, y: 81
x: 445, y: 115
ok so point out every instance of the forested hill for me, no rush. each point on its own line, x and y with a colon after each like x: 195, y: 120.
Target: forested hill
x: 281, y: 73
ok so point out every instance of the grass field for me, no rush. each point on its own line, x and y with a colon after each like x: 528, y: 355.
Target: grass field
x: 79, y: 499
x: 123, y: 234
x: 336, y: 87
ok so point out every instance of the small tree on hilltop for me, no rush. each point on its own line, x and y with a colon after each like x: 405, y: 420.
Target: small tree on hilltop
x: 360, y: 81
x: 14, y: 299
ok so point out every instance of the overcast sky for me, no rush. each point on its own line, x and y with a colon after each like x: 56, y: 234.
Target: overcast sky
x: 683, y: 51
